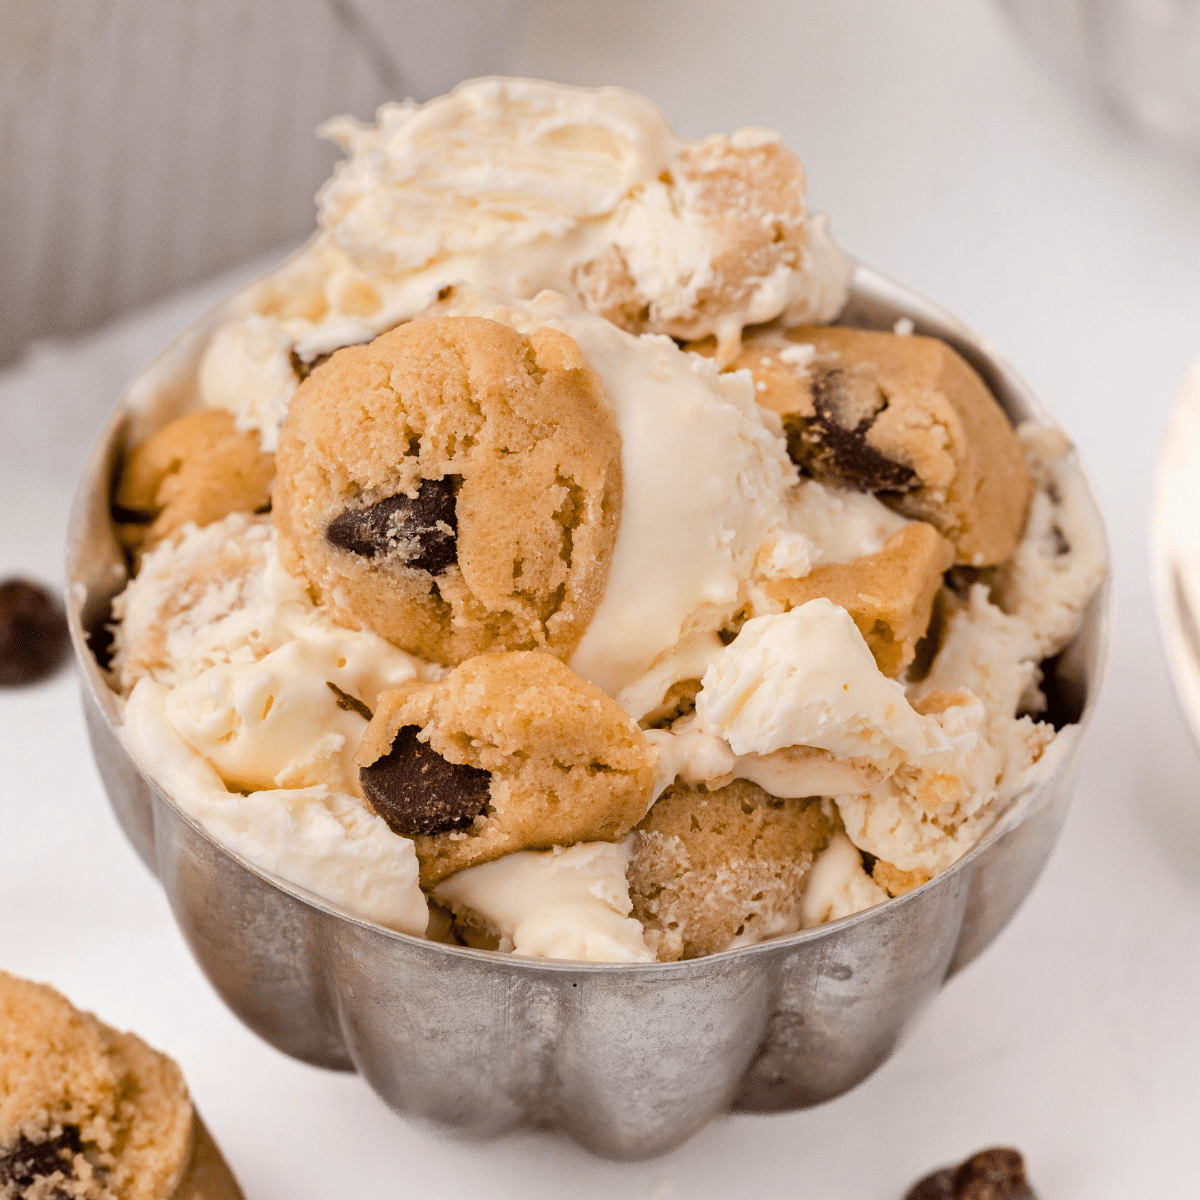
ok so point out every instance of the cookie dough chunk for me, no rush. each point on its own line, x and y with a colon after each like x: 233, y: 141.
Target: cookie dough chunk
x: 897, y: 882
x: 198, y: 468
x: 508, y: 752
x: 455, y: 487
x: 740, y: 202
x: 905, y: 417
x: 91, y: 1113
x: 889, y: 594
x: 713, y: 869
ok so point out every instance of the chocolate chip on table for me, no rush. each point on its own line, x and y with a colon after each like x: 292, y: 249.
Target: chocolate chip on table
x: 832, y: 444
x: 429, y: 520
x: 24, y: 1162
x: 416, y: 791
x: 994, y: 1174
x: 33, y: 632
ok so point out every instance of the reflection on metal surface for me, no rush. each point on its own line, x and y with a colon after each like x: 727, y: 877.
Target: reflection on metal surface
x: 629, y: 1060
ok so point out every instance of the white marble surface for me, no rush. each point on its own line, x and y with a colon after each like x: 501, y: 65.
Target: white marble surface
x: 950, y: 161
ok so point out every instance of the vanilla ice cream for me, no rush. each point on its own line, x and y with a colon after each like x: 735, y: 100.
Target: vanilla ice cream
x: 518, y: 186
x: 563, y: 903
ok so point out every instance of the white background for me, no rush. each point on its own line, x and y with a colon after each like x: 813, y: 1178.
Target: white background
x: 949, y: 160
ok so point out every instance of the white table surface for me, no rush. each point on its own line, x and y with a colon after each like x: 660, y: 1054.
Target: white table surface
x: 947, y: 159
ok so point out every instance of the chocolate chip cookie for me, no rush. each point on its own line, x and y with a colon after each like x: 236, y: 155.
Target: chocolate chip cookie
x: 91, y: 1113
x: 904, y: 417
x: 508, y: 752
x: 454, y: 486
x: 199, y: 468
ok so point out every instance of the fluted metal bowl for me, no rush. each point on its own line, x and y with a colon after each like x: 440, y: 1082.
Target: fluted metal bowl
x: 629, y: 1060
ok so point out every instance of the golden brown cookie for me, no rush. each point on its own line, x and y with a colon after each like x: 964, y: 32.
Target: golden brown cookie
x: 454, y: 486
x: 741, y: 197
x: 905, y: 417
x: 198, y: 468
x: 508, y: 752
x: 889, y: 594
x: 709, y: 867
x: 94, y: 1114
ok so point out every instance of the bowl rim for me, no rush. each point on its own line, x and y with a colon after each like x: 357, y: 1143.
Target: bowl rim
x: 868, y: 288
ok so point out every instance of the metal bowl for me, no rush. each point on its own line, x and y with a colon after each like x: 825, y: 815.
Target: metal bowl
x: 629, y: 1060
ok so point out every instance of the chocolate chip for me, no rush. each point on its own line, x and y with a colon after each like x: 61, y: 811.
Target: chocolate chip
x: 348, y: 702
x: 33, y: 632
x: 25, y: 1162
x: 832, y: 444
x: 421, y: 531
x: 415, y: 790
x: 995, y: 1174
x: 303, y: 369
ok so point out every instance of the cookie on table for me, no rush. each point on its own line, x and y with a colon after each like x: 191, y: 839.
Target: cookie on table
x: 454, y: 486
x: 889, y: 594
x: 198, y: 468
x: 707, y: 868
x: 93, y: 1114
x: 508, y: 752
x: 742, y: 198
x: 904, y: 417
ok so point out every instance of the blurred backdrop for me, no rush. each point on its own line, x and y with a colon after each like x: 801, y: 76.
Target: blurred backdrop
x: 147, y: 144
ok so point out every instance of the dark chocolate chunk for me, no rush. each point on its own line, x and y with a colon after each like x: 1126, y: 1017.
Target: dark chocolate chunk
x: 33, y: 632
x: 422, y: 531
x: 994, y: 1174
x: 303, y: 369
x: 25, y: 1162
x: 348, y: 702
x: 832, y: 444
x: 415, y: 790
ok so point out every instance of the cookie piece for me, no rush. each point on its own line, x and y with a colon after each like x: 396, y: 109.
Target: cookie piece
x: 92, y: 1113
x: 455, y: 487
x: 905, y: 417
x: 895, y: 881
x: 508, y: 752
x: 198, y: 468
x: 889, y: 594
x: 709, y: 869
x: 740, y: 199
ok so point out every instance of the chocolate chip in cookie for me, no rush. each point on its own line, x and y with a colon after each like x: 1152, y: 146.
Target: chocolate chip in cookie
x: 832, y: 444
x: 416, y: 791
x: 422, y: 530
x: 24, y: 1162
x: 33, y: 633
x: 454, y: 486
